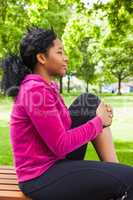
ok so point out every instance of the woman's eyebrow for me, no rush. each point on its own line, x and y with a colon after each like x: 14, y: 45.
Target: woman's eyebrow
x: 61, y: 48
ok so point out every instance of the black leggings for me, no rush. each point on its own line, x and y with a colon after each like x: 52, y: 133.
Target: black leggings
x: 74, y: 178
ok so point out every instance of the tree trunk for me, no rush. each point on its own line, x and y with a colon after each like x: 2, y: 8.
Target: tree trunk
x: 100, y: 88
x: 68, y: 84
x: 87, y: 86
x: 61, y: 85
x: 119, y: 86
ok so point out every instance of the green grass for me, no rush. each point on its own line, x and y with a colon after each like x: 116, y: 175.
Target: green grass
x: 5, y: 147
x: 124, y: 152
x: 122, y: 128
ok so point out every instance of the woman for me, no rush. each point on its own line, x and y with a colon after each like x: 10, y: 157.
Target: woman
x: 49, y: 140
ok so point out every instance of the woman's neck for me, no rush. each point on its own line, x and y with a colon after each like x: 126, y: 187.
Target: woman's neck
x: 45, y: 76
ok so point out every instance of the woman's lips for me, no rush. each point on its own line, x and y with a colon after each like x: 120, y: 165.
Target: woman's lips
x: 65, y: 67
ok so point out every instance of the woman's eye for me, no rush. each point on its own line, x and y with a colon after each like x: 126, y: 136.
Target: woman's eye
x: 60, y: 52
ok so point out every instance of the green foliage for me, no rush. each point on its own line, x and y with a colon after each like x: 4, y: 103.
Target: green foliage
x: 96, y: 38
x: 17, y: 15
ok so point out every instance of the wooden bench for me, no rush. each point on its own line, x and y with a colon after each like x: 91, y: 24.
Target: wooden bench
x: 9, y: 189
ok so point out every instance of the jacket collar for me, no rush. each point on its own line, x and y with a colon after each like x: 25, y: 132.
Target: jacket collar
x: 39, y: 78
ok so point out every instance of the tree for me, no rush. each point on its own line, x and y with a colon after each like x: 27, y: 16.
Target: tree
x: 118, y: 62
x: 17, y: 15
x: 87, y: 68
x: 106, y: 25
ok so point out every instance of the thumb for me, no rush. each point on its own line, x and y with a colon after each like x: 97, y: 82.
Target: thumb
x: 102, y: 103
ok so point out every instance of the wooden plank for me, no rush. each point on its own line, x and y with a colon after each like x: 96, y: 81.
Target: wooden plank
x: 6, y: 167
x: 7, y: 171
x: 9, y: 187
x: 12, y: 195
x: 11, y: 181
x: 8, y: 176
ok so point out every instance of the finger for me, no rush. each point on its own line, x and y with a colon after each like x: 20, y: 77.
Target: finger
x: 106, y: 105
x: 111, y: 115
x: 102, y: 103
x: 109, y: 108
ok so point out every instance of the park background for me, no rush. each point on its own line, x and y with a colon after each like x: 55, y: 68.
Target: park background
x: 98, y: 38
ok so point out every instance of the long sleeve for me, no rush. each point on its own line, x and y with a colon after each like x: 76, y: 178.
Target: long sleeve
x: 42, y: 111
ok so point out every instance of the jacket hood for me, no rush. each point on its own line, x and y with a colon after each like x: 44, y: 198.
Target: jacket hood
x: 39, y: 78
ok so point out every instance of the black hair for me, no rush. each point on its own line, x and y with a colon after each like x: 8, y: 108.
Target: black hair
x: 16, y: 67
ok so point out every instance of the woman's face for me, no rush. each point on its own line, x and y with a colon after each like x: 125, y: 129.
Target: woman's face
x: 57, y: 62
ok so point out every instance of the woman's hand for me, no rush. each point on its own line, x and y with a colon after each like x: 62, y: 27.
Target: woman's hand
x: 105, y: 112
x: 109, y: 109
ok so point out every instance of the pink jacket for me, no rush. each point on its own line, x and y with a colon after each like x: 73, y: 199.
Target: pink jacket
x: 40, y: 128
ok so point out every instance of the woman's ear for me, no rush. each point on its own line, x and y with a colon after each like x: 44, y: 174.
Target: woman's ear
x: 41, y: 58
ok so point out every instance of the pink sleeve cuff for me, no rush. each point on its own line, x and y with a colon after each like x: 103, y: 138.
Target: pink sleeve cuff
x: 97, y: 122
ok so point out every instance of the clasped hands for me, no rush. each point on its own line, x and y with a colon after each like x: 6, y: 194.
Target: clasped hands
x: 105, y: 112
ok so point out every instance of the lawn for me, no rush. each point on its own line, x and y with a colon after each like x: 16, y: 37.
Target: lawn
x: 122, y: 128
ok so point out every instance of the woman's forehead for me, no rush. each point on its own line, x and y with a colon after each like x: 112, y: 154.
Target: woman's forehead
x: 58, y: 43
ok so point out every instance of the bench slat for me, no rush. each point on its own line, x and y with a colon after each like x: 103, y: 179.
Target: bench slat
x: 12, y: 195
x: 9, y: 187
x: 6, y: 167
x: 7, y: 171
x: 11, y: 181
x: 8, y: 176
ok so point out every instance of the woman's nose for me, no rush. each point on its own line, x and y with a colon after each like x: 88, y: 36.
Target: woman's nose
x: 66, y: 59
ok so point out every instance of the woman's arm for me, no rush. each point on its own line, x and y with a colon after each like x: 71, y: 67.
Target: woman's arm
x: 45, y: 117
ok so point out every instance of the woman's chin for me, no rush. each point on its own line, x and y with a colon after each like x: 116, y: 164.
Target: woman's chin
x: 62, y: 73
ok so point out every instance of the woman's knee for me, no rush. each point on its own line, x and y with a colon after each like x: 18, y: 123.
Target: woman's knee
x: 90, y: 99
x: 86, y: 100
x: 83, y: 108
